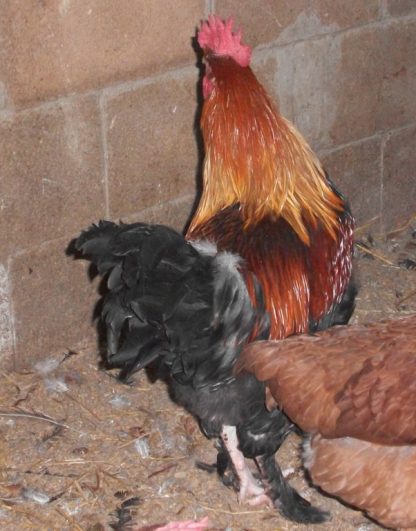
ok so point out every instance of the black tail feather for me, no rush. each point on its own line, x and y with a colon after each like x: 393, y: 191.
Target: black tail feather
x: 167, y: 299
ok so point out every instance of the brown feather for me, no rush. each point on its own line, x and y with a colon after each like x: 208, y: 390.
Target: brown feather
x: 300, y: 282
x: 256, y: 158
x: 357, y: 381
x: 380, y: 400
x: 376, y: 478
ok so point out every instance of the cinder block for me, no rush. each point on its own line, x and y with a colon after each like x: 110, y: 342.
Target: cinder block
x: 352, y: 85
x: 55, y: 48
x: 275, y: 75
x: 50, y: 174
x: 355, y: 170
x: 375, y: 79
x: 282, y: 22
x: 152, y: 150
x: 401, y: 7
x: 174, y: 213
x: 53, y: 302
x: 399, y: 177
x: 307, y: 74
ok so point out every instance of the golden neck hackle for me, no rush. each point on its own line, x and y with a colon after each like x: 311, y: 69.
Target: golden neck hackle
x: 257, y: 159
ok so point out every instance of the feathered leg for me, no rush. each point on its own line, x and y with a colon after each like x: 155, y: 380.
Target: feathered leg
x: 222, y: 467
x: 259, y: 438
x: 284, y: 497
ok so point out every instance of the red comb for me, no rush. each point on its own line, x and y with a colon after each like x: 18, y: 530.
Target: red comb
x: 217, y: 36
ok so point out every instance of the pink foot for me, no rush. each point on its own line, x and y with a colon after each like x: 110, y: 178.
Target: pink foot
x: 262, y: 499
x: 250, y: 490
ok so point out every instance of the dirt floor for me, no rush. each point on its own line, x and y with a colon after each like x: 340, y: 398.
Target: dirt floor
x: 76, y: 444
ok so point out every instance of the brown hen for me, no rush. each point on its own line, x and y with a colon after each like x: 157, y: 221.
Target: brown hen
x: 354, y: 389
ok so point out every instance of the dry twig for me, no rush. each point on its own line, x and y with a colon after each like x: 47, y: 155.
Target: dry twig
x: 402, y: 228
x: 38, y: 416
x: 376, y: 255
x: 27, y: 514
x: 84, y: 407
x: 68, y: 518
x: 224, y: 511
x: 408, y: 296
x: 132, y: 441
x: 162, y: 470
x: 366, y: 225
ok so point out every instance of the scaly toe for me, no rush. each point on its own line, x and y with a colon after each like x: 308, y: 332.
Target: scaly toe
x: 249, y: 491
x: 261, y: 499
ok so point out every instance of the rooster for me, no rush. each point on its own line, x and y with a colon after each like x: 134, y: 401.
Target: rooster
x: 267, y: 198
x: 186, y: 306
x: 354, y: 389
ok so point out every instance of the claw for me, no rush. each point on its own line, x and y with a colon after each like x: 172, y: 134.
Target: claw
x: 249, y: 488
x: 262, y: 499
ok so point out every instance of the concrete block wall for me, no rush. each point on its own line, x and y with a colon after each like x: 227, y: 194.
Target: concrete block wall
x: 97, y: 111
